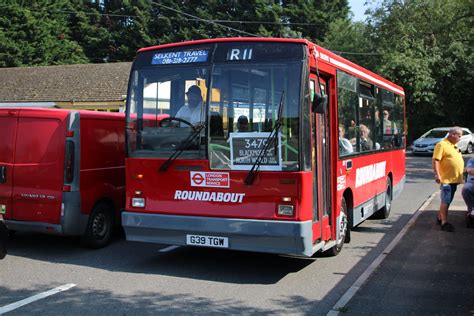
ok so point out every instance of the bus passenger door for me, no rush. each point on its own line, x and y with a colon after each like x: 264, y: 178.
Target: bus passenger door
x: 321, y: 170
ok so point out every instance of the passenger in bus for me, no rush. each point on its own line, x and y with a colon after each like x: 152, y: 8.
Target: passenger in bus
x: 389, y: 130
x: 243, y: 124
x: 351, y: 130
x: 389, y: 127
x: 365, y: 142
x: 191, y: 112
x: 345, y: 146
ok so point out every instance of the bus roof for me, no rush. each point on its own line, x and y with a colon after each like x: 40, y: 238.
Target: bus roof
x: 323, y: 55
x: 339, y: 62
x: 230, y: 39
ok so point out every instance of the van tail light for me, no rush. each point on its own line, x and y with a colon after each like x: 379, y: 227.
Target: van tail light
x: 69, y: 162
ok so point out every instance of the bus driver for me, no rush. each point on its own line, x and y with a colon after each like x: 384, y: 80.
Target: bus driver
x: 191, y: 112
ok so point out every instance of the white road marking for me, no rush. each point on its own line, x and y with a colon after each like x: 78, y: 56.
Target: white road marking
x: 31, y: 299
x: 170, y: 248
x: 346, y: 297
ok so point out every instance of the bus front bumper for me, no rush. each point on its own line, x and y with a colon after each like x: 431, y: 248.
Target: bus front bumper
x: 281, y: 237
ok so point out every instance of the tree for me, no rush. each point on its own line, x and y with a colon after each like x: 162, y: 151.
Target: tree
x: 427, y: 49
x: 37, y: 33
x: 189, y: 20
x: 312, y: 18
x: 111, y: 30
x: 51, y: 32
x: 352, y: 40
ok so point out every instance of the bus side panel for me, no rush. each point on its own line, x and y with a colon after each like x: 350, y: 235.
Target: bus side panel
x: 398, y: 168
x: 39, y: 167
x: 357, y: 178
x: 102, y: 169
x: 367, y: 181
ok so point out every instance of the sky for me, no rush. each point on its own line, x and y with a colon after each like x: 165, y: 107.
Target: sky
x: 358, y: 8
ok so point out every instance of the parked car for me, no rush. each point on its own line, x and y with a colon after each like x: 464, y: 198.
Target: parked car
x: 426, y: 143
x: 62, y: 172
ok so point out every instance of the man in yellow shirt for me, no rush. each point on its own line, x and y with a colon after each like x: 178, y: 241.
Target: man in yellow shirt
x: 448, y: 167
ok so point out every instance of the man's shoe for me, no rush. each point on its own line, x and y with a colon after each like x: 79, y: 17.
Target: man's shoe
x: 447, y: 227
x: 438, y: 221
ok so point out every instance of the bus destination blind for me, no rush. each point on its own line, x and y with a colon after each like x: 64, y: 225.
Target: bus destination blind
x: 180, y: 57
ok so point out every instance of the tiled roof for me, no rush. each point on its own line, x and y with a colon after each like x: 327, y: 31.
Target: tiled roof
x: 66, y: 83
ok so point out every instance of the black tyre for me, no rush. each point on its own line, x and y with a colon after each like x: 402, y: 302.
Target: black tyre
x: 99, y: 227
x: 344, y: 232
x: 384, y: 212
x: 3, y: 239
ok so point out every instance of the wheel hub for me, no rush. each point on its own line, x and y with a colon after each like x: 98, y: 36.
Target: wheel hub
x: 99, y: 226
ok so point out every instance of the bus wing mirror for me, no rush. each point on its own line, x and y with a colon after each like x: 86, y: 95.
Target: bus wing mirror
x: 320, y: 103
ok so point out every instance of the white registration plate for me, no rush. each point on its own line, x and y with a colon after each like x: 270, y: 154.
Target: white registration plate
x: 207, y: 241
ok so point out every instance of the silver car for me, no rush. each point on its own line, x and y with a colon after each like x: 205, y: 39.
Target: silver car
x: 426, y: 143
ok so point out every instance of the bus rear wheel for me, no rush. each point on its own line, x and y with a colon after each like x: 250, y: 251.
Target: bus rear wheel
x: 344, y: 234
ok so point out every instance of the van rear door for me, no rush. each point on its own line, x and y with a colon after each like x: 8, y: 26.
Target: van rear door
x: 39, y: 166
x: 8, y: 129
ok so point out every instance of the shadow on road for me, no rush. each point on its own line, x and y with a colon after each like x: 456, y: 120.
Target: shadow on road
x: 77, y: 301
x: 185, y: 262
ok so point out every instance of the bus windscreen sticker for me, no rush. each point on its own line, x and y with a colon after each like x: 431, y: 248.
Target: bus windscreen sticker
x: 180, y: 57
x: 246, y: 147
x: 210, y: 179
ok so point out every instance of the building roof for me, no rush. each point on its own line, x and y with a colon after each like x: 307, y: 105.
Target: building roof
x: 65, y: 83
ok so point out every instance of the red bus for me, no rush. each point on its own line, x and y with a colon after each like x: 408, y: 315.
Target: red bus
x: 287, y: 147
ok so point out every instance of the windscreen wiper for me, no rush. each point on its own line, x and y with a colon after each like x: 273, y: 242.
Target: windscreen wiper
x: 182, y: 146
x: 271, y: 140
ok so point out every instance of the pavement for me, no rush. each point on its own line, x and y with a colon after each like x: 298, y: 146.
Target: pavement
x: 429, y: 272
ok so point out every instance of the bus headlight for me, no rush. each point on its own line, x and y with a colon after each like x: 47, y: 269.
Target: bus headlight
x: 286, y: 210
x: 138, y: 202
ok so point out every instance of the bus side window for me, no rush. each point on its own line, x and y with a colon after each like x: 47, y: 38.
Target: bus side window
x: 389, y: 126
x: 347, y: 100
x: 367, y: 125
x: 399, y: 120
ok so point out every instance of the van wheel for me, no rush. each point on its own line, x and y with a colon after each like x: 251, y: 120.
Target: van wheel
x: 99, y: 227
x: 343, y: 229
x: 384, y: 212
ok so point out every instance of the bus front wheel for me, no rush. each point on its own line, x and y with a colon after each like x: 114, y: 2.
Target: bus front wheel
x: 344, y: 234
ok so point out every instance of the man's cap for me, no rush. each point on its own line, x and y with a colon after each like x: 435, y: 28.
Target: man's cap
x: 194, y: 90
